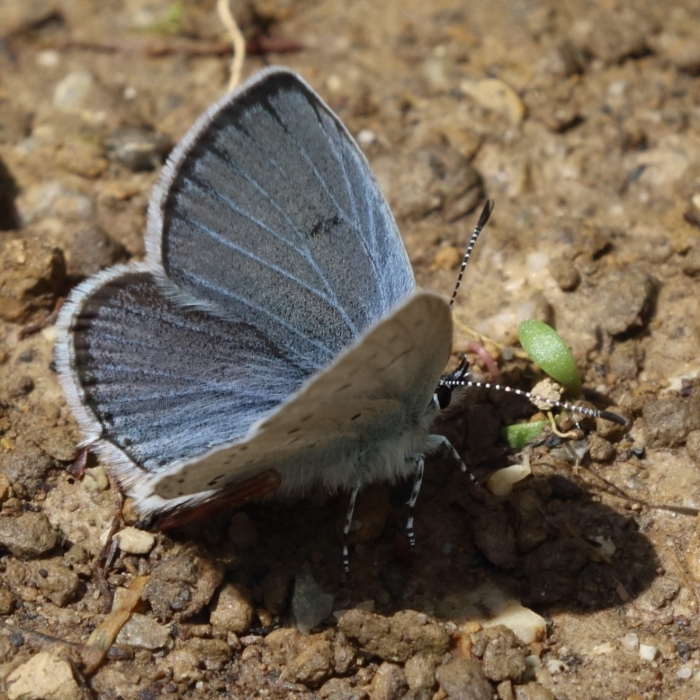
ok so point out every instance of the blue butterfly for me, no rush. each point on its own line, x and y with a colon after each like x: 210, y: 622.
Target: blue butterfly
x: 274, y: 330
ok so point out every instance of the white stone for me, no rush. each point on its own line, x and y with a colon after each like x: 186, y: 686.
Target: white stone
x: 555, y: 666
x: 366, y: 137
x: 43, y: 677
x: 647, y: 652
x: 630, y: 642
x: 501, y: 482
x: 131, y: 540
x: 48, y: 58
x: 70, y: 92
x: 526, y: 624
x: 536, y: 262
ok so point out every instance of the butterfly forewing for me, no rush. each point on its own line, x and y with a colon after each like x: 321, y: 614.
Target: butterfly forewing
x: 268, y: 211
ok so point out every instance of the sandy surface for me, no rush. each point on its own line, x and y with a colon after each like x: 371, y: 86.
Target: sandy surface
x: 582, y: 121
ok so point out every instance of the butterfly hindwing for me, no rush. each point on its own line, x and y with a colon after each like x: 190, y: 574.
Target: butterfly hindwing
x: 333, y: 431
x: 155, y: 382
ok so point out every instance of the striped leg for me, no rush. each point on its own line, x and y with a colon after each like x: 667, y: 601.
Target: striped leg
x: 419, y: 460
x: 346, y: 529
x: 440, y: 441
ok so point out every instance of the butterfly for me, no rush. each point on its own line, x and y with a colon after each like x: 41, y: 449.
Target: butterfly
x: 273, y: 339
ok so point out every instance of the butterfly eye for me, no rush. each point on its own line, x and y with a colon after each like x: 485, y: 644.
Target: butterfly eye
x: 444, y: 395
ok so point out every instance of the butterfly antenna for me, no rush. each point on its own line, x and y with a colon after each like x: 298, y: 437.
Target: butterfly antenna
x: 485, y: 214
x: 454, y: 383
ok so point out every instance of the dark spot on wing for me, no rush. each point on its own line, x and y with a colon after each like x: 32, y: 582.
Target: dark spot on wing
x: 356, y: 416
x: 324, y: 226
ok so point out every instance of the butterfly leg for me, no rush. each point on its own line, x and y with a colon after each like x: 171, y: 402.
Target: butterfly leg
x: 419, y: 460
x: 346, y: 529
x: 438, y: 441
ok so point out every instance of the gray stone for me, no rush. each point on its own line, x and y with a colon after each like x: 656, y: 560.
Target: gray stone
x: 28, y: 535
x: 310, y: 604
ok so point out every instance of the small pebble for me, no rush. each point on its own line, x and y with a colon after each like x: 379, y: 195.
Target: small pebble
x: 71, y: 92
x: 181, y: 585
x: 7, y: 602
x: 684, y: 673
x: 43, y: 677
x: 692, y: 444
x: 501, y: 482
x: 420, y: 671
x: 28, y: 535
x: 216, y: 653
x: 48, y: 58
x: 565, y: 274
x: 524, y: 623
x: 233, y: 609
x: 138, y: 149
x: 143, y: 631
x: 502, y: 655
x: 95, y: 480
x: 630, y: 642
x: 647, y: 652
x: 504, y: 690
x: 131, y: 540
x: 556, y: 666
x: 463, y: 679
x: 57, y: 582
x: 495, y: 95
x: 389, y: 683
x: 682, y: 51
x: 600, y: 449
x: 366, y: 137
x: 33, y: 273
x: 312, y: 662
x: 310, y: 604
x: 446, y: 258
x: 4, y: 487
x: 625, y: 298
x: 532, y: 691
x: 667, y: 421
x: 90, y: 249
x: 184, y: 665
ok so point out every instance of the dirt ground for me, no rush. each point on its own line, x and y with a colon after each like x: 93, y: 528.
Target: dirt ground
x: 582, y: 121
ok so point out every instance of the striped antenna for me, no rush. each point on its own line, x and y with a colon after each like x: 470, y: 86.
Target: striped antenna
x: 534, y: 398
x: 485, y: 214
